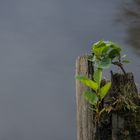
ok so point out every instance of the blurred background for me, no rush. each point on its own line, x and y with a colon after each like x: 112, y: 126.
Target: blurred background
x: 39, y: 43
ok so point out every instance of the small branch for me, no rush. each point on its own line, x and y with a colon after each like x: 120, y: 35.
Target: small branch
x: 120, y: 66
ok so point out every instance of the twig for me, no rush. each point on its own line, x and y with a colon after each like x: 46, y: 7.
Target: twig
x: 120, y: 65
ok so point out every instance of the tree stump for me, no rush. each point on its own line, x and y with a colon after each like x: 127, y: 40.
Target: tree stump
x: 124, y: 122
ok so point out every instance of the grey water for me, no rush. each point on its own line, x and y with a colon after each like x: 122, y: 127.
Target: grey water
x: 39, y: 42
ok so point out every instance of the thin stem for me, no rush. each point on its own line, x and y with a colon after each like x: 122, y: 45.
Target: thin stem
x: 119, y: 65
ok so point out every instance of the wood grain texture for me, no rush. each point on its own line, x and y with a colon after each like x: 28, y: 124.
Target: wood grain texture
x: 85, y: 122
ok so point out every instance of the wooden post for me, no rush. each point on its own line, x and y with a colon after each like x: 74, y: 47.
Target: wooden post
x: 85, y: 124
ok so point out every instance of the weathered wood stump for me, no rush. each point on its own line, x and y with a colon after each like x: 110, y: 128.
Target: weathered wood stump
x: 119, y: 124
x: 125, y: 121
x: 85, y: 121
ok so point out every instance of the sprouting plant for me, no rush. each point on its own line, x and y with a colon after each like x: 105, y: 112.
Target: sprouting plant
x: 104, y: 53
x: 96, y: 96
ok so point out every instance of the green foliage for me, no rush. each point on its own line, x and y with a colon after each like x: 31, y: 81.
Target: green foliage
x: 104, y: 90
x: 103, y: 64
x: 87, y: 82
x: 125, y: 61
x: 114, y: 53
x: 98, y: 76
x: 104, y: 53
x: 91, y: 97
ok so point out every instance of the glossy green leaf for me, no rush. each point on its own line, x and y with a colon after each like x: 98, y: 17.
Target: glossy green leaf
x: 87, y: 82
x: 104, y: 63
x: 98, y: 51
x: 113, y: 45
x: 98, y: 76
x: 100, y: 48
x: 126, y: 61
x: 104, y: 90
x: 91, y: 97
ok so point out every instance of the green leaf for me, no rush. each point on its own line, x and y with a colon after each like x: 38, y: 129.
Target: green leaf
x: 103, y: 63
x: 114, y: 53
x: 100, y: 48
x: 98, y: 51
x: 91, y: 97
x: 104, y: 90
x: 126, y: 61
x: 98, y: 76
x: 113, y: 45
x: 87, y: 82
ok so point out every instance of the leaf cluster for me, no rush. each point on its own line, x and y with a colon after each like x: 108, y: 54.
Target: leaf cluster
x: 98, y: 93
x: 104, y: 53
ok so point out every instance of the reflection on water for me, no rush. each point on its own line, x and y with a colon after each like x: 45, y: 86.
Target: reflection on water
x: 131, y: 18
